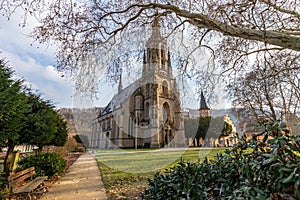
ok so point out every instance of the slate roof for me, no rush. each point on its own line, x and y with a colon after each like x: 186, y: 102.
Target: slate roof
x: 120, y: 98
x: 203, y: 104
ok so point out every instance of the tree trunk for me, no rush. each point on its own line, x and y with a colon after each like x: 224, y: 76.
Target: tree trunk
x: 198, y: 141
x: 194, y: 142
x: 39, y: 150
x: 8, y: 161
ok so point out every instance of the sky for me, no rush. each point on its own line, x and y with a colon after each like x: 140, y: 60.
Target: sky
x: 35, y: 63
x: 32, y: 62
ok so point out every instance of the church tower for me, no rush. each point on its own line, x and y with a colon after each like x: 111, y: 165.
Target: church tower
x: 120, y: 87
x: 161, y: 93
x: 146, y: 113
x: 156, y: 56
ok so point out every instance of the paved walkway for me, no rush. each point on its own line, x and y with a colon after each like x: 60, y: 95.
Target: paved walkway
x: 82, y: 182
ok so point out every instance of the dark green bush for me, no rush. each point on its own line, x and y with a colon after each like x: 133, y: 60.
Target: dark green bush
x: 46, y: 164
x: 3, y: 182
x: 268, y: 169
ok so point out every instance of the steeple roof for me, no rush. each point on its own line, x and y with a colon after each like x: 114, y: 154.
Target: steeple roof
x: 156, y: 36
x: 120, y: 88
x: 203, y: 104
x: 169, y: 58
x: 144, y: 58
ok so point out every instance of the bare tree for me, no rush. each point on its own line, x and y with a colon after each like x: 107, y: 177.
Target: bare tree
x: 229, y: 31
x: 271, y: 89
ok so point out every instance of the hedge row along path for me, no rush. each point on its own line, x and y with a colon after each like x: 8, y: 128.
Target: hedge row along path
x: 82, y: 182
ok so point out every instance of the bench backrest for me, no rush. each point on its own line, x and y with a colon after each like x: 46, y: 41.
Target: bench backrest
x: 15, y: 178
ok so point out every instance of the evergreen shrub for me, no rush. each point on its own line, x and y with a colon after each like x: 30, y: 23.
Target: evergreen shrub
x: 46, y: 164
x: 267, y: 169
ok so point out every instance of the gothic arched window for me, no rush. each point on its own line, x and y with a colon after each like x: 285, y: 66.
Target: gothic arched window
x: 166, y: 112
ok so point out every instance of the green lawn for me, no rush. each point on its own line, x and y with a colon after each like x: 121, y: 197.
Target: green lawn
x: 125, y: 172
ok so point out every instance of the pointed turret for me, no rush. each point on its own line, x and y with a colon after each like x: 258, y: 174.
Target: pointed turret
x: 156, y: 36
x: 204, y: 110
x: 169, y: 66
x: 169, y: 58
x: 144, y: 58
x: 145, y: 66
x: 120, y: 88
x: 203, y: 104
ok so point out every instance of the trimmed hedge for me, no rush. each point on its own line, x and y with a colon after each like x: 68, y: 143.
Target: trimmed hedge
x: 268, y: 169
x: 46, y: 164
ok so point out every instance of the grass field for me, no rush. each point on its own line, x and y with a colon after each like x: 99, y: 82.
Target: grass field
x: 126, y: 172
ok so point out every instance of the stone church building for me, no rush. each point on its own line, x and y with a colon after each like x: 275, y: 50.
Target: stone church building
x: 147, y: 113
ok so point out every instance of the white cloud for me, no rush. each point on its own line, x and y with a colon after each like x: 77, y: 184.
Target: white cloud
x: 52, y: 74
x: 16, y: 39
x: 33, y: 62
x: 46, y: 79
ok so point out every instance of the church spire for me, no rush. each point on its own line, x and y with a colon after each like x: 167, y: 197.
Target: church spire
x: 156, y: 28
x: 169, y: 58
x: 144, y: 58
x: 204, y: 110
x: 156, y: 37
x: 169, y: 66
x: 203, y: 104
x: 156, y: 22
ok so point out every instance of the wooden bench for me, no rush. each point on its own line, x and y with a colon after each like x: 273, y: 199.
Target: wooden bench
x: 15, y: 179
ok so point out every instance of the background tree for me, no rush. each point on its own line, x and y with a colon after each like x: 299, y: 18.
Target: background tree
x: 12, y: 107
x: 203, y: 127
x: 213, y: 125
x: 268, y: 90
x: 42, y: 125
x: 190, y: 127
x: 215, y: 128
x: 25, y: 118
